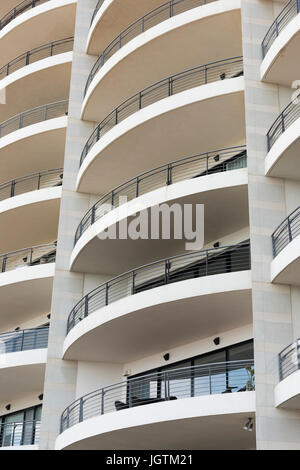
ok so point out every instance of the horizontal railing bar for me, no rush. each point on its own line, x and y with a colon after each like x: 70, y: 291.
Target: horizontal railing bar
x: 18, y: 10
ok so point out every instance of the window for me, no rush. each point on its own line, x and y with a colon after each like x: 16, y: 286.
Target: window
x: 20, y: 428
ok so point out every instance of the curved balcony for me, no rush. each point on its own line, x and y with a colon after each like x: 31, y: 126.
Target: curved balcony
x: 33, y: 140
x: 147, y: 121
x: 34, y: 70
x: 148, y: 302
x: 287, y: 391
x: 281, y: 45
x: 24, y: 435
x: 285, y: 267
x: 284, y: 143
x: 33, y: 22
x: 199, y: 399
x: 26, y: 284
x: 30, y: 204
x: 171, y: 30
x: 218, y: 179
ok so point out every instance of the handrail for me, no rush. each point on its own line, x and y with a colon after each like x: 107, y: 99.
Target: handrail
x: 18, y: 10
x: 175, y: 384
x: 179, y: 170
x: 157, y: 15
x: 289, y: 360
x: 288, y: 229
x: 97, y: 8
x: 33, y: 182
x: 197, y: 76
x: 291, y: 9
x: 19, y: 434
x: 33, y: 116
x: 33, y: 256
x: 167, y: 271
x: 38, y: 53
x: 24, y: 340
x: 285, y: 119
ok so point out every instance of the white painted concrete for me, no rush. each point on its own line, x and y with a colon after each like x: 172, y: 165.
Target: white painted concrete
x: 285, y: 267
x: 32, y: 197
x: 287, y: 392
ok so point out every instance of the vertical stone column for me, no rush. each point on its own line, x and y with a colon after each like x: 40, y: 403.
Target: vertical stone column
x: 60, y: 379
x: 272, y: 308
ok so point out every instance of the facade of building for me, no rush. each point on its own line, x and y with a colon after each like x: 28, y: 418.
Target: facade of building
x: 114, y: 108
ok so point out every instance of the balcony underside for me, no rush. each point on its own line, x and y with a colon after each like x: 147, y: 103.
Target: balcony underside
x: 22, y: 374
x: 26, y: 293
x: 161, y: 318
x: 142, y: 60
x: 42, y: 24
x: 33, y: 148
x: 188, y: 123
x: 281, y: 63
x: 210, y: 423
x: 29, y: 87
x: 224, y: 195
x: 283, y: 159
x: 32, y: 223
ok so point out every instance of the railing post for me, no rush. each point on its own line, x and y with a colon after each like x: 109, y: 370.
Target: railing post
x: 167, y: 386
x: 273, y: 247
x: 4, y: 264
x: 143, y: 24
x: 282, y: 123
x: 12, y: 188
x: 102, y: 401
x: 21, y: 121
x: 93, y: 210
x: 106, y: 294
x: 27, y: 58
x: 206, y: 263
x: 39, y: 181
x: 22, y: 342
x: 298, y: 6
x: 171, y: 8
x: 137, y: 187
x: 116, y: 120
x: 276, y: 28
x: 280, y: 368
x: 169, y: 176
x: 140, y: 100
x: 167, y: 271
x: 289, y: 229
x: 30, y: 257
x: 86, y: 306
x: 298, y: 352
x: 209, y: 375
x: 81, y: 410
x: 170, y: 86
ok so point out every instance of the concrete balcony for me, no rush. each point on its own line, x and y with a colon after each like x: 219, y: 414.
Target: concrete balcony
x: 163, y: 304
x: 33, y: 140
x: 284, y: 144
x: 197, y: 400
x: 281, y: 45
x: 287, y: 391
x: 24, y: 81
x: 170, y: 30
x: 27, y: 24
x: 168, y: 119
x: 26, y: 284
x: 216, y: 179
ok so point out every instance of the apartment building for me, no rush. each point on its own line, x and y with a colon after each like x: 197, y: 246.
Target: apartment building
x: 113, y: 108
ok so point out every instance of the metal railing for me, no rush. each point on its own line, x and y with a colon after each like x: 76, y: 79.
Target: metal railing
x: 285, y: 119
x: 19, y: 434
x: 33, y: 182
x: 289, y: 360
x: 33, y: 116
x: 186, y: 168
x: 97, y: 8
x: 220, y: 70
x: 152, y: 18
x: 201, y: 263
x: 18, y: 10
x: 38, y: 53
x: 24, y: 340
x: 176, y: 384
x: 291, y: 9
x: 286, y: 232
x: 33, y: 256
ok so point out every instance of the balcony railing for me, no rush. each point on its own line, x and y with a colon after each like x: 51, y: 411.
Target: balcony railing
x: 33, y: 116
x: 176, y: 384
x: 39, y: 53
x: 179, y: 170
x: 152, y: 18
x: 220, y: 70
x: 288, y: 116
x: 97, y: 8
x: 33, y: 256
x: 286, y: 232
x: 291, y: 9
x: 178, y: 268
x: 19, y: 434
x: 289, y: 360
x: 24, y: 340
x: 18, y: 10
x: 33, y: 182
